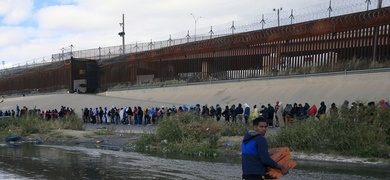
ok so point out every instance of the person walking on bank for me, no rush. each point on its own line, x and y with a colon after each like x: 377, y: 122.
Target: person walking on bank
x: 255, y: 156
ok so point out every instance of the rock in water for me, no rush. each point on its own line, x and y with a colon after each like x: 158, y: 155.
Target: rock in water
x: 11, y: 139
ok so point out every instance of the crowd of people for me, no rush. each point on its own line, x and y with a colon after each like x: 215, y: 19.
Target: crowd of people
x: 278, y: 115
x: 44, y: 114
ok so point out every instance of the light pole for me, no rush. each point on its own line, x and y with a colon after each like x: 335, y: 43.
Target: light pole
x: 368, y: 3
x: 71, y: 51
x: 122, y: 34
x: 278, y: 12
x: 195, y: 20
x: 62, y: 55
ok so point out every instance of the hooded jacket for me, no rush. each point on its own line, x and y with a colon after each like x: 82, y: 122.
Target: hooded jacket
x: 255, y: 156
x: 322, y: 109
x: 239, y: 109
x: 247, y: 110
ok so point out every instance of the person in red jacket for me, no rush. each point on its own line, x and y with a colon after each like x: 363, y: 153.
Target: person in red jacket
x: 313, y: 110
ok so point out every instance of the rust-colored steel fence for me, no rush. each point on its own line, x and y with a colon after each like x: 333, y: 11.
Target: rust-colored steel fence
x: 44, y: 78
x: 349, y: 42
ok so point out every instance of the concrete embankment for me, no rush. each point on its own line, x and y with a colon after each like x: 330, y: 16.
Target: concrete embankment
x: 312, y: 89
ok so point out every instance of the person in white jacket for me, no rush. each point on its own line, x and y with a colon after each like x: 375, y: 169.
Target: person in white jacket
x: 279, y: 109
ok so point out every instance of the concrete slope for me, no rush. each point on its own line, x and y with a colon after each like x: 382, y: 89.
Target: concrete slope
x: 336, y: 88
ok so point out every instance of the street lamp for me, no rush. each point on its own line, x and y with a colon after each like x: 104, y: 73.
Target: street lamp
x: 122, y: 34
x: 278, y: 12
x: 71, y: 52
x: 62, y: 55
x: 195, y: 20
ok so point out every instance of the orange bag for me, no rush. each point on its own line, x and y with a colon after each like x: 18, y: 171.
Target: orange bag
x: 282, y: 156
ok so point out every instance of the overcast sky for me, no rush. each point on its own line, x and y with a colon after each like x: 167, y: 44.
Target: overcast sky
x: 34, y: 29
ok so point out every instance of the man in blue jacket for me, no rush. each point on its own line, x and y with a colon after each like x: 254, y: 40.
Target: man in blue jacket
x: 255, y: 156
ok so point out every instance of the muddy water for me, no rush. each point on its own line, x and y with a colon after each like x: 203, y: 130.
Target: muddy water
x: 64, y: 162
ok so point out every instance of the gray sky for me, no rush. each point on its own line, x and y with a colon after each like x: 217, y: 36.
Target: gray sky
x: 35, y: 29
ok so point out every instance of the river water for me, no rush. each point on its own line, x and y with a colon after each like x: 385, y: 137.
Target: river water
x: 75, y: 162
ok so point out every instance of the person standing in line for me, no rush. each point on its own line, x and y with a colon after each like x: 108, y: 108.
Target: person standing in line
x: 121, y: 115
x: 247, y: 112
x: 85, y: 115
x: 313, y: 110
x: 185, y: 108
x: 135, y: 116
x: 226, y: 114
x: 271, y: 114
x: 140, y: 114
x: 219, y: 112
x: 233, y: 113
x: 239, y: 112
x: 197, y: 110
x: 255, y: 114
x: 264, y: 112
x: 101, y: 112
x: 321, y: 111
x: 124, y: 115
x: 91, y: 117
x: 255, y: 156
x: 295, y: 111
x: 153, y: 114
x: 112, y: 115
x: 129, y: 113
x: 301, y: 113
x: 117, y: 110
x: 333, y: 111
x: 277, y: 106
x: 105, y: 115
x: 212, y: 112
x: 306, y: 107
x: 17, y: 111
x: 97, y: 117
